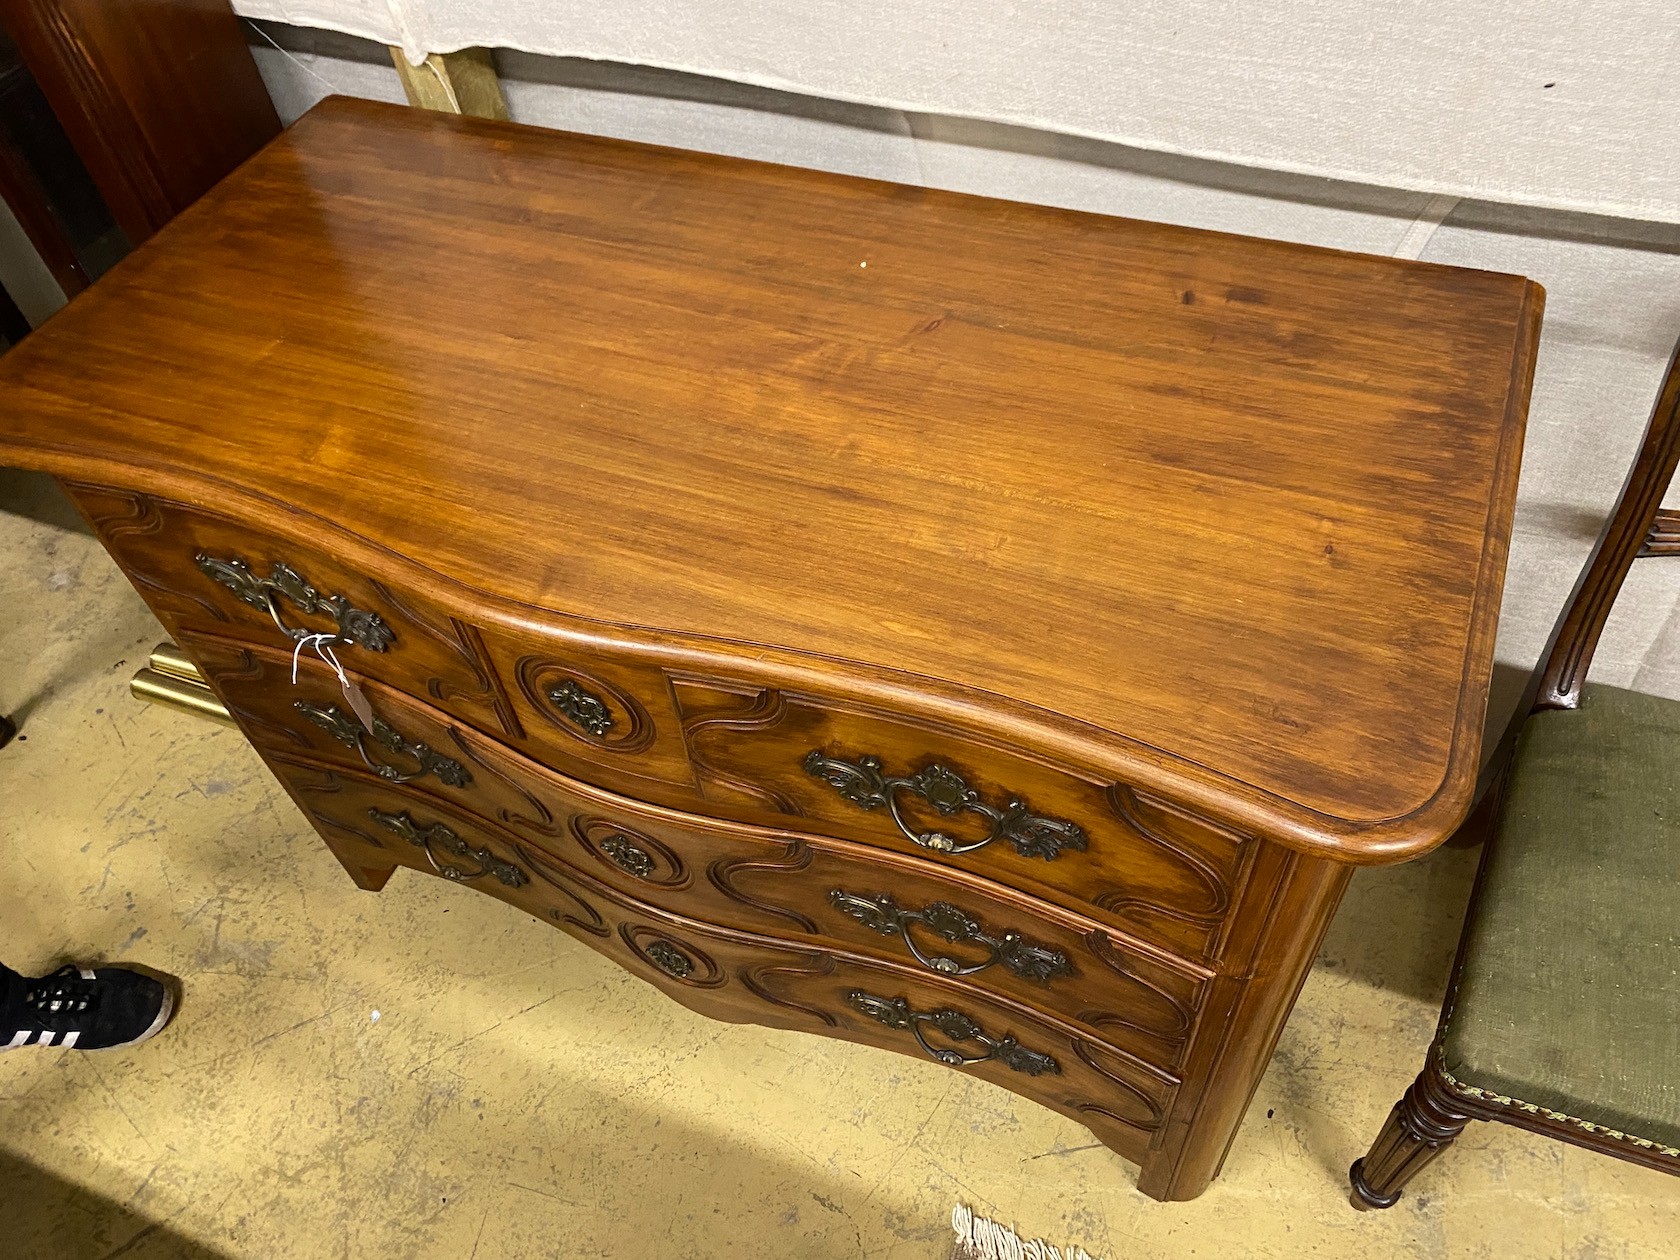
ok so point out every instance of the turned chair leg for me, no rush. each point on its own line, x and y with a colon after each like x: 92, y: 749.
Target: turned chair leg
x: 1422, y: 1125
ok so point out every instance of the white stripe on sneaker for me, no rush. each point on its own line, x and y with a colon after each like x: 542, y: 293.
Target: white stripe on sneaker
x: 46, y: 1038
x: 70, y: 1039
x: 19, y: 1039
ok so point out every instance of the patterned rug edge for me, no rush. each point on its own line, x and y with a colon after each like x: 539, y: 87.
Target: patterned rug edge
x: 982, y: 1239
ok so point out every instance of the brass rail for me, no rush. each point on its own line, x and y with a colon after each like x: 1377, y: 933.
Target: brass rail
x: 170, y: 678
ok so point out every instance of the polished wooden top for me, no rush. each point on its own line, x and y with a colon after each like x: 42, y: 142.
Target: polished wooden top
x: 1235, y: 507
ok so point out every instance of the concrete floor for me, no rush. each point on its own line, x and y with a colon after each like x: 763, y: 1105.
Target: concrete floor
x: 427, y: 1073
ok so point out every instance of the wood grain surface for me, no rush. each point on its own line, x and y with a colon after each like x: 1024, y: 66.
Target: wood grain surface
x: 1232, y: 512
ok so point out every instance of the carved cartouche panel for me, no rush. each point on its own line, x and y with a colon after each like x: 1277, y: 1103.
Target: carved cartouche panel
x: 599, y: 713
x: 673, y: 952
x: 583, y: 706
x: 627, y: 850
x: 770, y: 757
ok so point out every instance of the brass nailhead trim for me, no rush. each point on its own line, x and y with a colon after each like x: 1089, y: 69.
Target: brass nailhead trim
x: 1487, y: 1095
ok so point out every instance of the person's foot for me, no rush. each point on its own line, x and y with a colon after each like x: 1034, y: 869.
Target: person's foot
x: 84, y: 1008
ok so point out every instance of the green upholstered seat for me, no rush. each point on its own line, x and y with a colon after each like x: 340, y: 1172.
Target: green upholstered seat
x: 1569, y: 994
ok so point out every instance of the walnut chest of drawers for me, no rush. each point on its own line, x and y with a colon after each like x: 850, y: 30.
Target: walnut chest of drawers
x: 976, y: 630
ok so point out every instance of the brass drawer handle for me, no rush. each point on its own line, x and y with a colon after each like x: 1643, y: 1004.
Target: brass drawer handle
x: 862, y: 783
x: 897, y: 1013
x: 349, y: 732
x: 354, y: 626
x: 881, y: 913
x: 434, y: 836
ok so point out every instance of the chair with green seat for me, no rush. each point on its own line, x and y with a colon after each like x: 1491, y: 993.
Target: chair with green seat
x: 1563, y: 1013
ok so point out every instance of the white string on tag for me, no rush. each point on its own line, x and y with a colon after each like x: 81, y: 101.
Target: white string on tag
x: 331, y: 658
x: 308, y: 640
x: 352, y: 693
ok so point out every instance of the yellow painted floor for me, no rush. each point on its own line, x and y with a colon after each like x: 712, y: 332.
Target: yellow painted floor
x: 426, y: 1073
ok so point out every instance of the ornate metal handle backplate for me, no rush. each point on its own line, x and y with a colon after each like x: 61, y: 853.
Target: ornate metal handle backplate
x: 862, y: 783
x: 879, y: 912
x: 354, y: 626
x: 434, y: 836
x: 896, y: 1013
x: 348, y: 731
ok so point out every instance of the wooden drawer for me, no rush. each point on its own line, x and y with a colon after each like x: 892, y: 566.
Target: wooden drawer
x: 604, y: 719
x: 1153, y: 885
x: 745, y: 978
x: 836, y: 895
x: 815, y: 763
x: 606, y: 712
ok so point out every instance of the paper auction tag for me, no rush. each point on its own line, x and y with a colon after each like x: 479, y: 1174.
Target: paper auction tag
x: 352, y: 692
x: 357, y: 701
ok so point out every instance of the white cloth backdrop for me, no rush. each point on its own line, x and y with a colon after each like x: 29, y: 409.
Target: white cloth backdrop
x: 1613, y: 285
x: 1564, y: 103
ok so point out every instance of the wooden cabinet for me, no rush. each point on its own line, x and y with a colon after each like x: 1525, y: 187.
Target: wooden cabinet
x: 975, y: 630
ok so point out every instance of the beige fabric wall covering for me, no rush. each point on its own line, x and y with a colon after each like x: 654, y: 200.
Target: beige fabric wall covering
x: 1563, y: 103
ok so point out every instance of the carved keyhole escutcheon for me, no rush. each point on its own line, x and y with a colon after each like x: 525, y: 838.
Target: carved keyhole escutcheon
x: 581, y: 707
x: 626, y: 856
x: 669, y: 959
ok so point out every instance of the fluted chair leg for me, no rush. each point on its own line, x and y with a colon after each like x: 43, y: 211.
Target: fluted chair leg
x: 1422, y: 1125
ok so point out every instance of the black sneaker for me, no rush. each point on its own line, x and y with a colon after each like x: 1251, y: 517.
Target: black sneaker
x: 83, y: 1008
